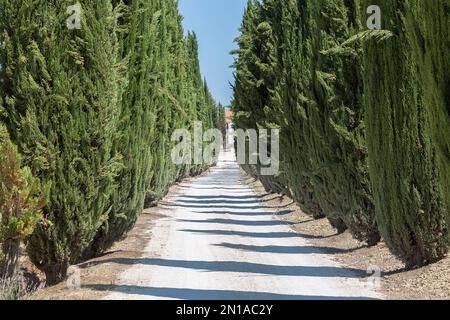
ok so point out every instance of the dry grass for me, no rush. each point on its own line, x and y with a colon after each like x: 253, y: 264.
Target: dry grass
x: 16, y: 288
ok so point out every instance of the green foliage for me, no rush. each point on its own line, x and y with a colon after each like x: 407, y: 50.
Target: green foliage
x: 283, y: 80
x: 364, y: 115
x: 21, y: 202
x: 60, y: 94
x: 407, y: 81
x: 138, y: 23
x: 92, y: 112
x: 164, y: 91
x: 255, y: 99
x: 181, y: 99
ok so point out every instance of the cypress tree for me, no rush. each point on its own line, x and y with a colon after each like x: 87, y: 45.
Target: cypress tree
x: 60, y: 90
x: 289, y: 73
x: 169, y: 46
x: 182, y: 98
x: 139, y: 22
x: 256, y: 78
x: 407, y: 79
x: 194, y: 99
x: 164, y: 92
x: 201, y: 104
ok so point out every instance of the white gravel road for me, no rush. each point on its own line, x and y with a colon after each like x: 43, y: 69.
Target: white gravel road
x: 221, y: 243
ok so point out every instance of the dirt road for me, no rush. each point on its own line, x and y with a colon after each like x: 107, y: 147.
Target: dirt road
x: 220, y: 242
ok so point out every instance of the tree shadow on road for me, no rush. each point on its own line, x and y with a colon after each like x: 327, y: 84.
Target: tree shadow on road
x: 233, y: 213
x: 210, y: 206
x: 219, y: 201
x: 254, y: 223
x: 258, y: 235
x: 205, y: 294
x: 247, y: 267
x: 285, y: 249
x: 223, y: 197
x: 241, y: 189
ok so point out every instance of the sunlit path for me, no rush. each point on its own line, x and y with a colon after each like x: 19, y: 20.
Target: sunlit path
x: 220, y: 242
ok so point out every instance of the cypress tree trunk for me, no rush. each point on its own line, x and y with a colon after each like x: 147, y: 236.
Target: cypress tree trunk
x: 9, y: 265
x: 407, y: 85
x: 60, y: 89
x: 167, y: 102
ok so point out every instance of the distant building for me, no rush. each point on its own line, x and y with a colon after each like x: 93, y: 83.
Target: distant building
x: 228, y: 118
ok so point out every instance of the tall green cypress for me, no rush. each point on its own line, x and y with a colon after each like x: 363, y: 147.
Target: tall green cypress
x: 165, y: 101
x: 297, y: 105
x: 139, y: 21
x: 60, y: 90
x: 335, y: 122
x: 21, y: 198
x: 407, y: 100
x: 256, y: 80
x: 182, y: 99
x: 201, y: 104
x: 164, y: 92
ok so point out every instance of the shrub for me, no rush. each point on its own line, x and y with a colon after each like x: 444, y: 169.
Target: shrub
x: 21, y: 201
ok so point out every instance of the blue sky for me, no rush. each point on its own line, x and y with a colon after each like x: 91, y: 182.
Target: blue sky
x: 217, y: 24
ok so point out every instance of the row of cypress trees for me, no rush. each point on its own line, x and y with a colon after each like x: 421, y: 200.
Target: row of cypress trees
x: 364, y: 115
x: 92, y: 110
